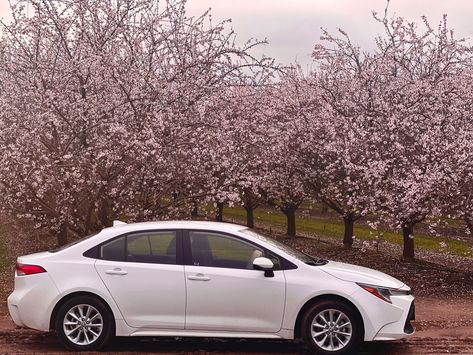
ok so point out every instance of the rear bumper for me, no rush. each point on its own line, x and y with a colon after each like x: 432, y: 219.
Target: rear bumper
x: 14, y: 313
x: 31, y: 303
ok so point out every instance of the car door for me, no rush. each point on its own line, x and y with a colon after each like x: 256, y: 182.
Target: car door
x: 144, y: 273
x: 224, y: 292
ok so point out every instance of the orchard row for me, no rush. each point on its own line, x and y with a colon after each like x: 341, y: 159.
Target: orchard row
x: 134, y: 110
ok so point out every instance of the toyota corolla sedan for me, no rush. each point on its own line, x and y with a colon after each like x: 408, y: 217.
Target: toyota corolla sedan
x: 204, y: 279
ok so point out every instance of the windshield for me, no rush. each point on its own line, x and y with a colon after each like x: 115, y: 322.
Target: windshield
x: 62, y: 247
x: 286, y: 248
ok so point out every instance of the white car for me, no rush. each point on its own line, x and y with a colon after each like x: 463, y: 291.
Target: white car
x: 204, y: 279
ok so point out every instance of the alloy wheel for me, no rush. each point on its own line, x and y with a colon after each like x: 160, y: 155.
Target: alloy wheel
x: 331, y: 329
x: 83, y: 324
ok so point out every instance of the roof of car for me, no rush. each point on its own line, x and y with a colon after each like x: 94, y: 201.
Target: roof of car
x: 182, y: 225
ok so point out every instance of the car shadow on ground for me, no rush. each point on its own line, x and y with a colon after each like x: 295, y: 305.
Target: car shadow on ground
x: 234, y: 347
x: 28, y: 341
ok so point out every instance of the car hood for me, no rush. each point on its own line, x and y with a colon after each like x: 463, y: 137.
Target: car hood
x: 354, y: 273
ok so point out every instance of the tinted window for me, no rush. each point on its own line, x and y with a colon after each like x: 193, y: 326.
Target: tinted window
x: 153, y: 247
x: 113, y: 250
x: 275, y: 259
x: 217, y: 250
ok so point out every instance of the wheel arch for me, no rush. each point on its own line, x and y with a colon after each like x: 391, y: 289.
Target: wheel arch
x: 320, y: 298
x: 64, y: 299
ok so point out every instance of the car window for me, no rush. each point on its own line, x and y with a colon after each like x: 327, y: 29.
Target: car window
x: 218, y: 250
x: 154, y: 247
x: 287, y: 249
x: 157, y: 247
x: 113, y: 250
x: 275, y: 259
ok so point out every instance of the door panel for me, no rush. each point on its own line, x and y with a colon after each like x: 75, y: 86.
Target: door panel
x: 234, y: 299
x: 148, y: 295
x: 144, y: 280
x: 224, y: 292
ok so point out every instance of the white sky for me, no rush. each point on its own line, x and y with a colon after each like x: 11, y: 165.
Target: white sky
x: 292, y: 27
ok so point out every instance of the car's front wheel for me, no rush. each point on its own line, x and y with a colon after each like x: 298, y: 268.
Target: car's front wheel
x: 84, y: 323
x: 332, y: 327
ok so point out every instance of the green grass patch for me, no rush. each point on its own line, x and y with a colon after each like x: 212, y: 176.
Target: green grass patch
x: 333, y: 229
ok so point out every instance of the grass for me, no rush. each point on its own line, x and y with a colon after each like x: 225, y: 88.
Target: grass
x: 332, y: 229
x: 3, y: 256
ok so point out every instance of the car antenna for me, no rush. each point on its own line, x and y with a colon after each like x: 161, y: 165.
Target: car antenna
x: 117, y: 223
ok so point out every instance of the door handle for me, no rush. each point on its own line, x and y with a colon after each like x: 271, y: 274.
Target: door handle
x: 116, y: 271
x: 198, y: 277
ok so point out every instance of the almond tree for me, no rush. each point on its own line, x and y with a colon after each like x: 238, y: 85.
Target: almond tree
x: 336, y: 147
x: 281, y: 182
x: 391, y: 124
x: 229, y: 154
x: 99, y: 107
x: 245, y: 139
x: 423, y: 129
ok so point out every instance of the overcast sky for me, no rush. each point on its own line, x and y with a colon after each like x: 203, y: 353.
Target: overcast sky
x: 292, y: 27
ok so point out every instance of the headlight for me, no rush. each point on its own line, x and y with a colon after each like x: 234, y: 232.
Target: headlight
x: 383, y: 293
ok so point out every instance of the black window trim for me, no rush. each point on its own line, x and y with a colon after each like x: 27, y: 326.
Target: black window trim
x: 94, y: 252
x: 187, y: 253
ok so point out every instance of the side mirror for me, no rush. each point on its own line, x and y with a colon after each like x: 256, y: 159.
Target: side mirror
x: 264, y: 264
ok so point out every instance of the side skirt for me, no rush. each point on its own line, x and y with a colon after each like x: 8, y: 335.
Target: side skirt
x: 283, y: 334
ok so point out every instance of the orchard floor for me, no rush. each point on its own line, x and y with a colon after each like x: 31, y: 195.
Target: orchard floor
x: 444, y: 327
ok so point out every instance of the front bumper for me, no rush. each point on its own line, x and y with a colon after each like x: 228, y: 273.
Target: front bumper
x: 408, y: 327
x: 399, y: 329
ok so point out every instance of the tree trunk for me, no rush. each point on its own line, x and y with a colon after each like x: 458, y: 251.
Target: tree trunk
x: 195, y: 209
x: 290, y: 213
x: 104, y: 212
x: 250, y: 220
x: 324, y: 208
x: 469, y: 223
x: 407, y: 232
x: 219, y: 212
x: 348, y: 235
x: 62, y: 236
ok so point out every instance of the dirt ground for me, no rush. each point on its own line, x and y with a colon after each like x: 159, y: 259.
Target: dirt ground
x: 442, y: 327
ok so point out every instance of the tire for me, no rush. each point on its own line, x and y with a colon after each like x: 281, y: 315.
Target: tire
x: 329, y: 337
x: 84, y: 333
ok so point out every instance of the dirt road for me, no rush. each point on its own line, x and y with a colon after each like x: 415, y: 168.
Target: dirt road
x: 443, y: 326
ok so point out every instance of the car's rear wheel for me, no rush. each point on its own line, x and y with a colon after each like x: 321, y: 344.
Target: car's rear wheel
x: 84, y: 323
x: 332, y: 327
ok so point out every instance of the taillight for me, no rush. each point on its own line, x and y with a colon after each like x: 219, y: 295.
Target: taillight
x: 22, y: 269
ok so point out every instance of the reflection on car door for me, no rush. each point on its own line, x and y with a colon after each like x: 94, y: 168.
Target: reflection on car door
x: 145, y: 278
x: 224, y: 292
